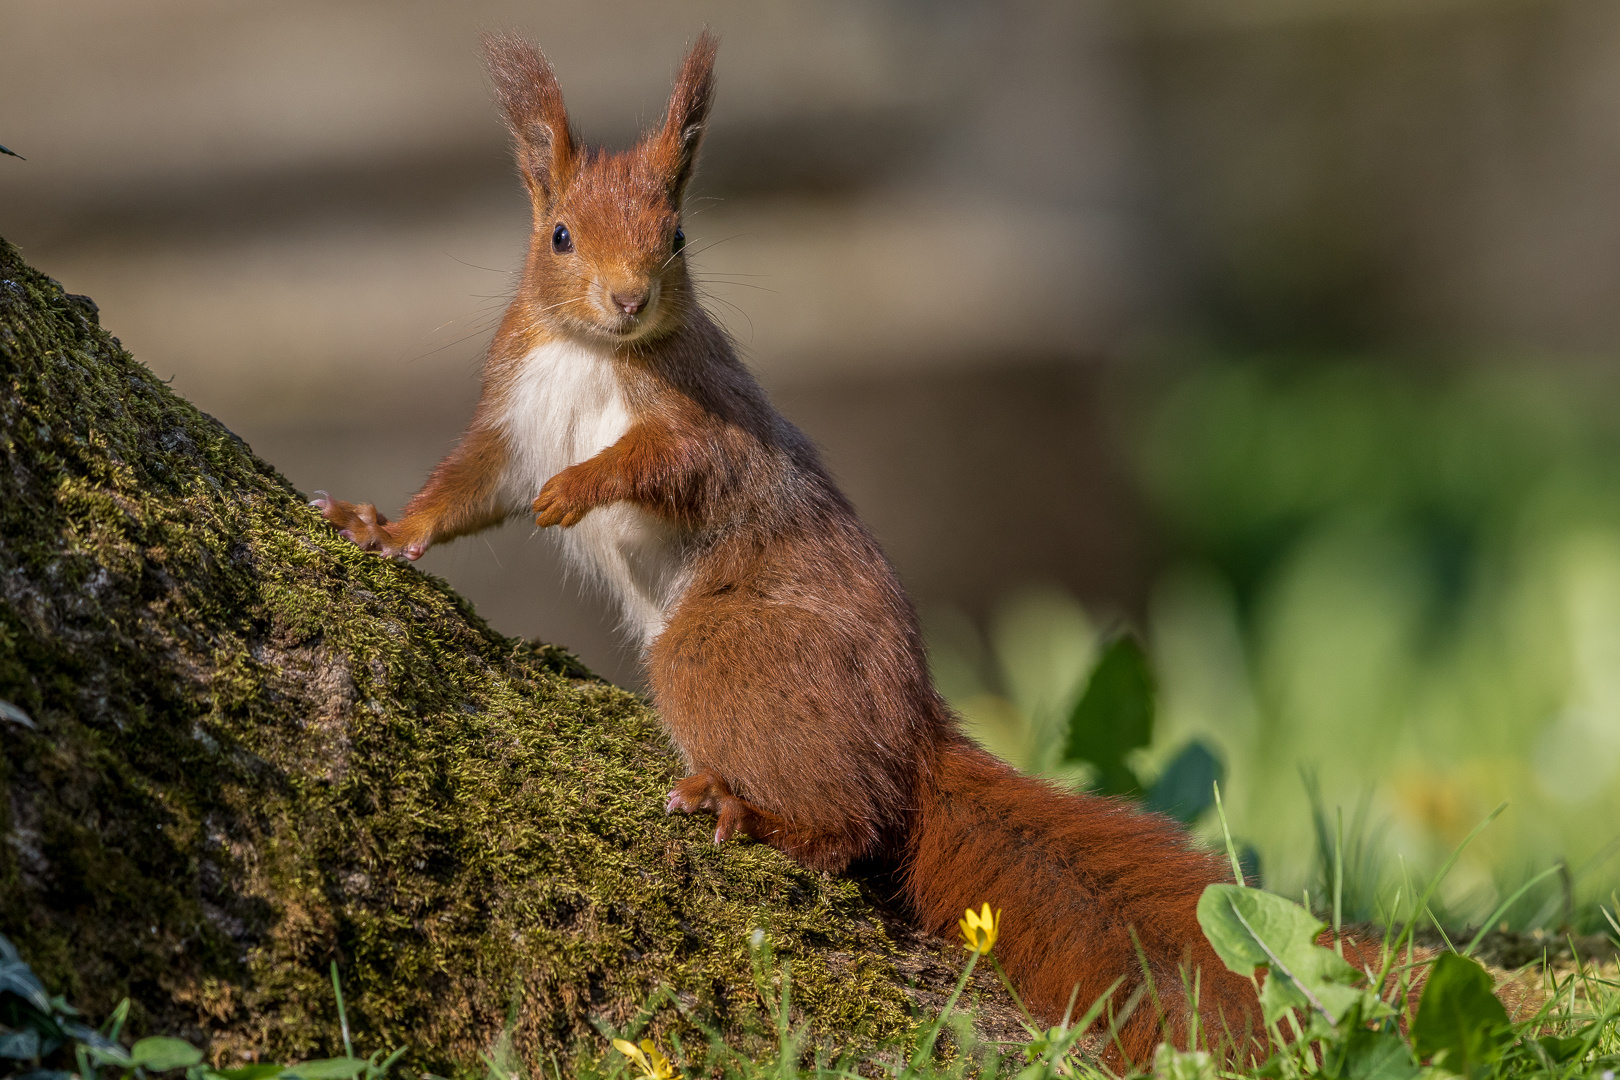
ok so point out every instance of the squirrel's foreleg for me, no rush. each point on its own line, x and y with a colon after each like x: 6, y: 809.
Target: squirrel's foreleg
x: 649, y: 465
x: 460, y: 497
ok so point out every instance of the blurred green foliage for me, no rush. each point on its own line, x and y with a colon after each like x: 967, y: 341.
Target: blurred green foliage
x: 1040, y: 708
x: 1114, y: 716
x: 1402, y: 584
x: 1408, y: 582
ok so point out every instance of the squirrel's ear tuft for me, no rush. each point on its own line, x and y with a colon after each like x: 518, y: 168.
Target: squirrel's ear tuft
x: 532, y: 103
x: 688, y: 111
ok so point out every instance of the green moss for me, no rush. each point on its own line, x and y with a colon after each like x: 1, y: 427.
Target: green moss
x: 259, y: 750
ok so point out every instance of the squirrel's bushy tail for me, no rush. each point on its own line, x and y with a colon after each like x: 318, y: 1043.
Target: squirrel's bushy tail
x: 1090, y: 890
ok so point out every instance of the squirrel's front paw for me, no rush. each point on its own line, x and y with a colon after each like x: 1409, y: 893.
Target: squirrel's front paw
x: 361, y: 523
x: 556, y: 504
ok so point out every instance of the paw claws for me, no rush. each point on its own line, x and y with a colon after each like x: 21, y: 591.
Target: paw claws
x: 718, y: 838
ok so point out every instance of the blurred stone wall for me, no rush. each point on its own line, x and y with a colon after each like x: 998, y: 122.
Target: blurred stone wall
x: 944, y: 233
x: 1437, y: 173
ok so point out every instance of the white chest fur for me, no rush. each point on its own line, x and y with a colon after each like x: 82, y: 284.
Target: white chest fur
x: 563, y: 406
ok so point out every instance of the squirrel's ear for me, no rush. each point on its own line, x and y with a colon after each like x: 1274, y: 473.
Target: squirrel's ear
x: 532, y: 102
x: 688, y: 110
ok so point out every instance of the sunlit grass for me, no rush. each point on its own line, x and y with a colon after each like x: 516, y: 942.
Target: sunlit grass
x: 1566, y: 1024
x: 1325, y: 1020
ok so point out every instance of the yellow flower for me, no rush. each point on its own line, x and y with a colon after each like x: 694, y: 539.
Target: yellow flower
x: 979, y: 929
x: 648, y: 1058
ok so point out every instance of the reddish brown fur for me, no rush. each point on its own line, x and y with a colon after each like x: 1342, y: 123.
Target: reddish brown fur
x: 791, y: 674
x: 1090, y: 889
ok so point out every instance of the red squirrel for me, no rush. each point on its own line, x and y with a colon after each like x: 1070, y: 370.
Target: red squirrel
x: 783, y: 656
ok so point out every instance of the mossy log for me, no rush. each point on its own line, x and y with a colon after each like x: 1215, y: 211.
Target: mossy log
x: 242, y: 749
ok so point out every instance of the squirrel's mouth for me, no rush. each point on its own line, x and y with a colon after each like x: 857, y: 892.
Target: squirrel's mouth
x: 628, y: 314
x: 629, y: 329
x: 623, y: 327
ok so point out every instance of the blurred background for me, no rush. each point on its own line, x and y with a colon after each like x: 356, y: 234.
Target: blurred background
x: 1281, y: 331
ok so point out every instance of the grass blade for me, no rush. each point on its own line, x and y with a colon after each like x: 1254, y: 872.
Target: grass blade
x: 1503, y: 907
x: 343, y: 1016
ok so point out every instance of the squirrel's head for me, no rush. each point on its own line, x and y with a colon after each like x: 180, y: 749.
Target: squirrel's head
x: 606, y: 260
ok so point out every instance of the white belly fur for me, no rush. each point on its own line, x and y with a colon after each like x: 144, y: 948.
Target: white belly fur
x: 564, y: 406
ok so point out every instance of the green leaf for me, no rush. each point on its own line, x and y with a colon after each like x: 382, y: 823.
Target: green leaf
x: 327, y: 1069
x: 161, y: 1053
x: 1114, y: 716
x: 19, y: 1045
x: 1460, y: 1023
x: 1251, y: 929
x: 93, y: 1039
x: 8, y: 711
x: 18, y: 978
x: 1186, y: 788
x: 1248, y: 927
x: 115, y: 1023
x: 249, y: 1072
x: 1563, y: 1050
x: 387, y: 1062
x: 110, y: 1054
x: 1358, y: 1052
x: 1309, y: 982
x: 1172, y: 1064
x: 1351, y: 1050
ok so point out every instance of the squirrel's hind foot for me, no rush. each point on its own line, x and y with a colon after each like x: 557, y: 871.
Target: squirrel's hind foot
x: 705, y: 792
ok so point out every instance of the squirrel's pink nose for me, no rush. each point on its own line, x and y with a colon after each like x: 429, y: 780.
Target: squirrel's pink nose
x: 630, y: 303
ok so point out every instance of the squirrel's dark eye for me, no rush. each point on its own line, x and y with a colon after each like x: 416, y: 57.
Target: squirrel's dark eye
x: 561, y: 242
x: 680, y: 239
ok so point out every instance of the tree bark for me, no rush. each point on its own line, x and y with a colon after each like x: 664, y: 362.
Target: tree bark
x: 243, y: 749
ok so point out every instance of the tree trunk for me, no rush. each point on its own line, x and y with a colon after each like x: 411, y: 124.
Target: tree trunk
x: 246, y: 749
